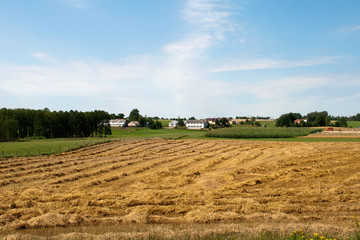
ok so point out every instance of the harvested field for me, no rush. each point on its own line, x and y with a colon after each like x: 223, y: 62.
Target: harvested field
x: 184, y: 181
x: 337, y: 133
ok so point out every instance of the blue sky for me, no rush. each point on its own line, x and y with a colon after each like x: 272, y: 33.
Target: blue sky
x: 202, y: 58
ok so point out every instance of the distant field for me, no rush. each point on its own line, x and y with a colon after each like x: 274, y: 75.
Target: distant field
x: 161, y: 133
x: 45, y: 146
x: 268, y: 123
x: 165, y: 123
x: 36, y: 147
x: 354, y: 124
x: 259, y: 132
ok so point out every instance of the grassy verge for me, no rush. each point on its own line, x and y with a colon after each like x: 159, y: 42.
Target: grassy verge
x: 37, y: 147
x: 257, y: 132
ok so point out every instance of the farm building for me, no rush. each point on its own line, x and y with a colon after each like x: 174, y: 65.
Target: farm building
x: 196, y: 124
x: 118, y: 122
x: 173, y: 123
x: 134, y: 124
x: 298, y: 121
x: 213, y: 120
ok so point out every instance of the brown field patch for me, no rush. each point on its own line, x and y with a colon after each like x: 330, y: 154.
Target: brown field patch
x: 338, y: 132
x: 184, y: 182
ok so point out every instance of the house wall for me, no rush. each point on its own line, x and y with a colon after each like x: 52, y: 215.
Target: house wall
x: 173, y: 124
x: 116, y: 123
x: 196, y: 125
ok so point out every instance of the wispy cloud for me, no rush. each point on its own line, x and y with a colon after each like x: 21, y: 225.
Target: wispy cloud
x: 71, y: 79
x: 178, y: 80
x: 177, y: 74
x: 269, y: 63
x: 181, y: 72
x: 285, y: 87
x: 209, y: 21
x: 352, y: 28
x: 209, y: 17
x: 44, y: 57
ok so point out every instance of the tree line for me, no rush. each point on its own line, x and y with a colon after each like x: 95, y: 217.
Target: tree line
x: 28, y: 123
x: 313, y: 119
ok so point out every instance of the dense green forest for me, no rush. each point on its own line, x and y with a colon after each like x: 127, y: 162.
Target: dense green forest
x: 28, y: 123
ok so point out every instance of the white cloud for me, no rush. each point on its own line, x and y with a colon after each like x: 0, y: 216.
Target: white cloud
x: 209, y: 16
x: 352, y: 28
x: 71, y: 79
x: 285, y: 87
x: 356, y: 28
x: 344, y: 99
x: 269, y: 63
x: 44, y: 57
x: 177, y: 75
x: 209, y: 22
x: 178, y: 81
x: 181, y: 72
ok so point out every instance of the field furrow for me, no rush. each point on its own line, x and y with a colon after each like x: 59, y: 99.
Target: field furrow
x: 183, y: 181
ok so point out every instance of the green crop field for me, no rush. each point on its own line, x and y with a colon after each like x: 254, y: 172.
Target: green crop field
x: 354, y: 124
x: 161, y: 133
x: 165, y: 123
x: 268, y: 123
x: 258, y: 132
x: 263, y: 123
x: 34, y: 147
x: 45, y: 146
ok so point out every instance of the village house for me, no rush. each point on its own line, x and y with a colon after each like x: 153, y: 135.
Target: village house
x: 134, y: 124
x: 298, y: 121
x: 196, y: 124
x: 118, y: 122
x: 173, y: 123
x: 212, y: 121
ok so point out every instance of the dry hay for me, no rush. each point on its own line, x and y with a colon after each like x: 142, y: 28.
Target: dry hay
x: 184, y: 182
x: 338, y: 132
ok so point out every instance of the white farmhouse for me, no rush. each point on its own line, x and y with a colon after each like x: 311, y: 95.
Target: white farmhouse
x: 196, y: 124
x: 117, y: 122
x: 173, y: 123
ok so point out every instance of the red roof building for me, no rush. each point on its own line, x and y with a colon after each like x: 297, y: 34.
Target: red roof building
x: 298, y: 121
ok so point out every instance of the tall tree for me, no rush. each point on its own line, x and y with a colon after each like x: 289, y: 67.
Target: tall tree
x: 134, y: 115
x: 181, y: 123
x: 24, y: 123
x: 317, y: 118
x: 287, y: 120
x: 342, y: 122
